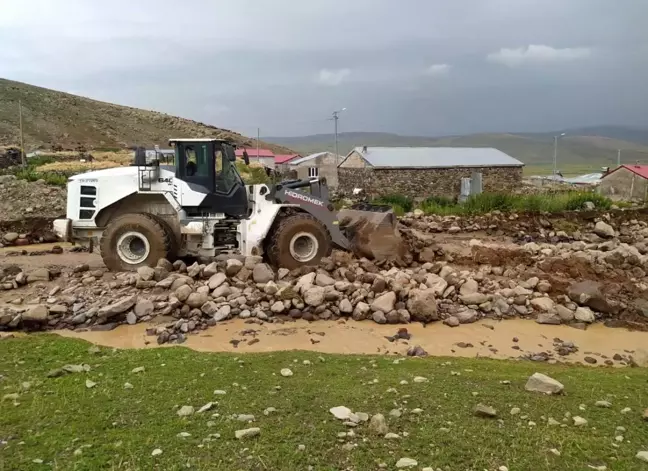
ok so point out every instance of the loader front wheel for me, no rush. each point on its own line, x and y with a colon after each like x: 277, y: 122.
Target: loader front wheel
x: 132, y: 241
x: 298, y: 240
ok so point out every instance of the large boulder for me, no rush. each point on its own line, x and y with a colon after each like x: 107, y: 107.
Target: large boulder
x: 216, y: 280
x: 435, y: 283
x: 422, y: 305
x: 314, y: 296
x: 40, y: 274
x: 197, y: 299
x: 233, y: 266
x: 584, y: 314
x: 588, y: 293
x: 469, y: 287
x: 543, y: 304
x: 121, y: 306
x: 384, y: 303
x: 38, y: 313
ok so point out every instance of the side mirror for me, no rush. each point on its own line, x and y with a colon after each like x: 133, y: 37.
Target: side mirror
x: 246, y: 157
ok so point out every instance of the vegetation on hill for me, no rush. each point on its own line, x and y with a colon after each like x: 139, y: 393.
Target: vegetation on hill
x: 57, y: 120
x: 578, y: 152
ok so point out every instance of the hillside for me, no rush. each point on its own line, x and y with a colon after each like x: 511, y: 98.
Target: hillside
x: 57, y: 119
x: 580, y: 151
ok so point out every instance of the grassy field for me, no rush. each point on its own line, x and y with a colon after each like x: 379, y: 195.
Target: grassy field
x: 69, y: 425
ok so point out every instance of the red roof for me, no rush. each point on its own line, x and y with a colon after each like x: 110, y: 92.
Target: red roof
x: 252, y: 152
x: 283, y: 158
x: 641, y: 170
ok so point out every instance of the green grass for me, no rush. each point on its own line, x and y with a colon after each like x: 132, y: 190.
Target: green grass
x: 488, y: 202
x: 117, y: 428
x: 31, y: 175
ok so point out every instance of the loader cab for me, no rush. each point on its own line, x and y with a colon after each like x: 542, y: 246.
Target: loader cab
x: 208, y: 167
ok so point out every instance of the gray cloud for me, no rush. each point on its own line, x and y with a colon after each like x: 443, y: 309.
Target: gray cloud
x: 413, y: 67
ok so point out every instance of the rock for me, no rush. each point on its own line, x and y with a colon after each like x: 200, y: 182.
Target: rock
x: 604, y: 404
x: 539, y: 382
x: 436, y: 284
x: 579, y: 421
x: 324, y: 280
x: 467, y: 316
x: 40, y: 274
x: 216, y: 280
x: 543, y: 304
x: 11, y: 237
x: 645, y: 415
x: 341, y: 412
x: 422, y: 305
x: 604, y: 230
x: 469, y: 287
x: 144, y: 308
x: 277, y: 307
x: 584, y: 314
x: 588, y: 293
x: 262, y: 273
x: 482, y: 410
x: 474, y: 298
x: 196, y: 300
x: 451, y: 321
x: 379, y: 317
x: 346, y: 306
x: 131, y: 318
x: 392, y: 436
x: 146, y: 273
x: 248, y: 432
x: 185, y: 411
x: 119, y: 307
x: 183, y: 292
x: 408, y: 462
x: 314, y: 296
x: 384, y: 303
x: 90, y: 384
x: 156, y: 452
x: 233, y: 266
x: 38, y: 313
x: 565, y: 314
x: 548, y: 318
x: 642, y: 455
x: 222, y: 313
x: 416, y: 351
x: 361, y: 311
x: 515, y: 411
x: 378, y: 425
x: 420, y: 379
x: 286, y: 372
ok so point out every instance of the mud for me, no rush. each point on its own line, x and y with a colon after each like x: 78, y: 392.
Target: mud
x: 488, y: 339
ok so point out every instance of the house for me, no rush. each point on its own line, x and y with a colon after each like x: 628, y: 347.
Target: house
x: 626, y: 182
x: 321, y: 164
x: 420, y: 172
x: 264, y: 156
x: 282, y: 161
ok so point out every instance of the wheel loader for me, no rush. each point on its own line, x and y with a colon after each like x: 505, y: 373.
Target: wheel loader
x: 200, y: 207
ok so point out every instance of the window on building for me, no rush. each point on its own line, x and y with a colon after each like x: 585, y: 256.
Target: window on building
x: 313, y: 172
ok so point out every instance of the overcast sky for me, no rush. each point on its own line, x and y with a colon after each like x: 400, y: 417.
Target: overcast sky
x: 420, y: 67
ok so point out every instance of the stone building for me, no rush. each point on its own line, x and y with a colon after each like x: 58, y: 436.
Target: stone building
x: 420, y: 172
x: 627, y: 182
x: 322, y: 164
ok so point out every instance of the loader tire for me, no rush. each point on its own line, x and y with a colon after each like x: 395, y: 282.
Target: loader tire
x: 134, y: 240
x: 298, y: 239
x: 174, y: 243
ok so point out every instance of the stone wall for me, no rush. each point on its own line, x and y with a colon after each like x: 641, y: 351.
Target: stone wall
x: 623, y: 184
x: 327, y: 165
x: 424, y: 182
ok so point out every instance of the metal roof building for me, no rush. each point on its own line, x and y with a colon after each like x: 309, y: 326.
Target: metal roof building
x: 433, y: 157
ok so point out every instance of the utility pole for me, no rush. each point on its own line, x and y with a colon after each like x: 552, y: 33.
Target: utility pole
x: 335, y: 119
x: 258, y: 138
x: 619, y: 158
x: 22, y: 138
x: 555, y: 156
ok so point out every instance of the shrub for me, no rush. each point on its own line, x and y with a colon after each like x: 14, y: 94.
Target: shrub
x: 403, y: 202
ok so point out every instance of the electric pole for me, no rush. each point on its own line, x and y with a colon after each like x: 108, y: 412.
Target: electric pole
x: 335, y: 119
x: 619, y: 158
x: 22, y: 138
x: 258, y: 138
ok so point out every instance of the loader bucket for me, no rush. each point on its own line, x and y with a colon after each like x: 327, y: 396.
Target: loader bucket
x: 372, y: 231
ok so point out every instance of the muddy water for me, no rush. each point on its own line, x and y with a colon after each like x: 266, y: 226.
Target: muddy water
x: 369, y: 338
x: 33, y: 247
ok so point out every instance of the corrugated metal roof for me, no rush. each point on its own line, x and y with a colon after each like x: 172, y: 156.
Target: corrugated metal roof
x: 307, y: 158
x: 641, y: 170
x: 412, y: 157
x: 284, y: 158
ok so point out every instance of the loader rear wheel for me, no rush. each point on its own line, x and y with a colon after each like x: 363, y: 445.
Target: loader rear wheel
x: 297, y: 240
x: 132, y: 241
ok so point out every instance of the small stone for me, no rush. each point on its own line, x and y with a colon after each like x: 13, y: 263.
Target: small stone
x: 185, y: 411
x: 156, y: 452
x: 642, y: 455
x: 482, y: 410
x: 420, y: 379
x: 605, y: 404
x: 90, y: 384
x: 451, y: 321
x: 515, y: 411
x: 539, y: 382
x: 626, y: 410
x: 183, y: 435
x: 579, y: 421
x: 206, y: 407
x: 139, y: 369
x: 286, y: 372
x: 406, y: 463
x: 341, y: 412
x: 392, y: 436
x: 378, y: 425
x: 128, y: 386
x: 248, y: 432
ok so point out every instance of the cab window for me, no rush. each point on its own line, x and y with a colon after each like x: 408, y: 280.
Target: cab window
x: 196, y: 162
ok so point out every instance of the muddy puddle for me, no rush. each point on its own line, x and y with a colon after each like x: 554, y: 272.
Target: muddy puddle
x: 482, y: 339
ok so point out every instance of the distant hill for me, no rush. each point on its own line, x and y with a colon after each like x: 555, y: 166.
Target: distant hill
x: 56, y: 119
x: 579, y: 151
